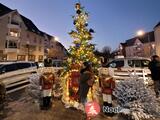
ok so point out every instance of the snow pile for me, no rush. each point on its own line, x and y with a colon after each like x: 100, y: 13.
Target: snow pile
x: 34, y: 87
x: 140, y: 100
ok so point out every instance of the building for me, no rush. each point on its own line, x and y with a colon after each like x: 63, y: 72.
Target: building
x: 142, y: 46
x: 157, y: 38
x: 20, y: 38
x: 54, y: 49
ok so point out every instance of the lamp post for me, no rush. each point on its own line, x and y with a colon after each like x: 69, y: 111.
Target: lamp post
x: 27, y: 46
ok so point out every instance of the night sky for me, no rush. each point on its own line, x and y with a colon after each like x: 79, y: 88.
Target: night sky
x: 113, y: 20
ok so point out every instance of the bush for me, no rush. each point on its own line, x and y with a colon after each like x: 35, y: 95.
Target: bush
x: 140, y: 100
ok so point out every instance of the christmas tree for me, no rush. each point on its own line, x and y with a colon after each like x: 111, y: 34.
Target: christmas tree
x: 81, y: 51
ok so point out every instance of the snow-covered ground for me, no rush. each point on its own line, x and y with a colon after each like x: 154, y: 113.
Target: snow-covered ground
x: 22, y: 107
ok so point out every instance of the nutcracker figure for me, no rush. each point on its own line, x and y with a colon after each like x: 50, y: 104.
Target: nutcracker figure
x: 46, y: 85
x: 107, y: 85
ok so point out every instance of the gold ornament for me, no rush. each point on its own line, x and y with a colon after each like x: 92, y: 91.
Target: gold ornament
x: 78, y: 6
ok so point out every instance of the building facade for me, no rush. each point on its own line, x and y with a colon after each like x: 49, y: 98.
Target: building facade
x: 20, y: 39
x: 142, y: 46
x: 54, y: 49
x: 157, y: 38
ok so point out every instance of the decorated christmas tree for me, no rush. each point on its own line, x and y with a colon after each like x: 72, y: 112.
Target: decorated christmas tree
x: 81, y: 51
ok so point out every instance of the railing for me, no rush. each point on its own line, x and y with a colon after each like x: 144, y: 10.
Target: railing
x: 18, y: 80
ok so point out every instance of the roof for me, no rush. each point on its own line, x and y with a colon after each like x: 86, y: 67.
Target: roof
x: 157, y: 25
x: 29, y: 24
x: 123, y: 44
x: 130, y: 42
x: 146, y: 38
x: 4, y: 10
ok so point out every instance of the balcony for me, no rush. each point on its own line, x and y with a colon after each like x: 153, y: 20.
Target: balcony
x: 13, y: 24
x: 11, y: 50
x: 9, y: 37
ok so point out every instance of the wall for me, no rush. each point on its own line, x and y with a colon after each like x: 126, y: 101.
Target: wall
x: 157, y: 39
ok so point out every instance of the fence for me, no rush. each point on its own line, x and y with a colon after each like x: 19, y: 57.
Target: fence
x: 127, y: 73
x: 18, y: 80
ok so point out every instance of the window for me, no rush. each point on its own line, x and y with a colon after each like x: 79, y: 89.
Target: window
x: 33, y: 64
x: 116, y: 64
x: 11, y: 44
x: 14, y: 33
x: 134, y: 63
x: 145, y: 63
x: 40, y: 59
x: 31, y: 58
x: 40, y: 49
x: 35, y: 40
x: 57, y: 63
x: 9, y: 68
x: 23, y: 65
x: 21, y: 57
x: 40, y: 41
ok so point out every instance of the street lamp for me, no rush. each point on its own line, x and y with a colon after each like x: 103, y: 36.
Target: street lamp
x: 56, y: 38
x: 27, y: 46
x: 140, y: 32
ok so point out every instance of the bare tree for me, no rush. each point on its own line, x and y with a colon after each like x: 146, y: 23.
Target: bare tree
x: 106, y: 54
x: 106, y: 51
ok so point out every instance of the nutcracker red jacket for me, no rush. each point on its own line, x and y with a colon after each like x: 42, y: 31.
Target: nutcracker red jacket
x: 47, y: 80
x: 107, y: 85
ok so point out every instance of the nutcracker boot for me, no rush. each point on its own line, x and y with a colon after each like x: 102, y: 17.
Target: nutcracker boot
x: 44, y: 103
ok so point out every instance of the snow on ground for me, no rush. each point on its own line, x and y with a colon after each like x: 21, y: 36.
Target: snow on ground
x: 22, y: 107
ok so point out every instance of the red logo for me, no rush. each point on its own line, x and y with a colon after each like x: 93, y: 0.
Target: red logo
x: 92, y: 109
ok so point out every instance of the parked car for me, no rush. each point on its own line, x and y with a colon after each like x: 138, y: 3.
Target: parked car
x: 14, y: 74
x: 129, y: 62
x: 57, y: 63
x: 124, y: 68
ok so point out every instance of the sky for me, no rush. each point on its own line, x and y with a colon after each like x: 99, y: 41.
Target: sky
x: 114, y: 21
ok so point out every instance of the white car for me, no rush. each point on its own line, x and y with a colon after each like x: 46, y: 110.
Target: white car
x: 125, y: 68
x: 14, y: 74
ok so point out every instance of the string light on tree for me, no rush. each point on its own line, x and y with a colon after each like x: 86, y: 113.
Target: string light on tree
x: 80, y: 52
